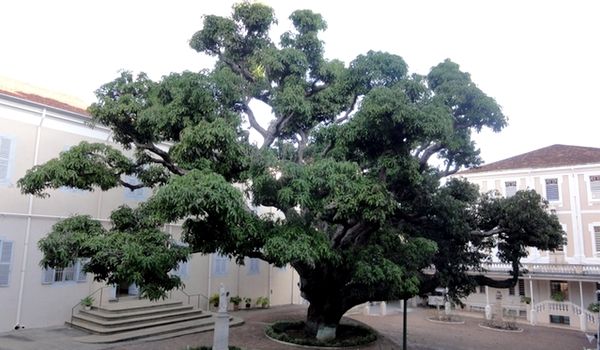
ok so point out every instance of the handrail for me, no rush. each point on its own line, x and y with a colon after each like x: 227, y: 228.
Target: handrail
x: 89, y: 295
x: 190, y: 296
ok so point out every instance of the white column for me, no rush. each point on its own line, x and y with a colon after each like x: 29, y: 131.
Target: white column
x: 532, y: 312
x: 488, y: 307
x: 582, y: 322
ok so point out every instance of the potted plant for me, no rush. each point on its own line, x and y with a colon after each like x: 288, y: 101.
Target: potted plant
x: 248, y: 302
x: 236, y: 300
x: 558, y: 296
x: 526, y: 300
x: 87, y: 302
x: 262, y: 302
x: 214, y: 300
x: 594, y: 307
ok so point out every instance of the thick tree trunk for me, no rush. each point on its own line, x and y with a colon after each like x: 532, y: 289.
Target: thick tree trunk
x: 323, y: 287
x: 323, y: 318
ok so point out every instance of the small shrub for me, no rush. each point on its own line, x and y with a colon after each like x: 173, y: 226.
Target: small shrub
x: 236, y: 300
x: 262, y: 302
x: 558, y: 296
x: 594, y: 307
x: 87, y: 301
x: 214, y: 300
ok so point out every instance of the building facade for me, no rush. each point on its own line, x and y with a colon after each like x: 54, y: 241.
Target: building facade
x: 35, y: 129
x: 557, y: 287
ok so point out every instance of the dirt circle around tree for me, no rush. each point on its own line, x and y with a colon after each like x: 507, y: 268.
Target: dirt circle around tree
x: 293, y: 333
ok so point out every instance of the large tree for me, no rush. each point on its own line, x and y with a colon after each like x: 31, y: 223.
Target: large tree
x: 352, y: 161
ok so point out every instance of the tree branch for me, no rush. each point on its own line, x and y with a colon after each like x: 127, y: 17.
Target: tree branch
x: 276, y: 126
x: 302, y: 145
x: 166, y: 159
x: 427, y: 153
x: 252, y: 119
x: 489, y: 233
x: 130, y: 186
x: 348, y: 111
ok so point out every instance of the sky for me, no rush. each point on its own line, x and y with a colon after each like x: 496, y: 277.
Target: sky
x: 540, y: 60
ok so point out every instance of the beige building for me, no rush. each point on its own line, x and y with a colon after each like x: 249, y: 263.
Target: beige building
x: 35, y: 129
x: 558, y: 286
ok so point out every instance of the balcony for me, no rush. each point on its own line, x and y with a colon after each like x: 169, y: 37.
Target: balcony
x: 576, y: 271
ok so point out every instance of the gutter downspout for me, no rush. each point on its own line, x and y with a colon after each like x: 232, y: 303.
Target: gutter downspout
x: 28, y: 228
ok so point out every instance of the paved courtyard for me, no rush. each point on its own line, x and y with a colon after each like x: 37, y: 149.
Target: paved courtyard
x: 422, y: 335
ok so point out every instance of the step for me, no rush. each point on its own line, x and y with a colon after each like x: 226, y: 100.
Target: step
x: 102, y: 330
x: 129, y: 320
x: 101, y: 314
x: 135, y: 305
x: 159, y: 332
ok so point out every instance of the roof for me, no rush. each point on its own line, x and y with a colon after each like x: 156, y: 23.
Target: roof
x: 547, y: 157
x: 49, y: 102
x: 41, y: 96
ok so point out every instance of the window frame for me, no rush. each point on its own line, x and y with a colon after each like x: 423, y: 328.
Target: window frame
x: 77, y: 274
x: 557, y: 202
x: 503, y: 185
x: 219, y: 259
x: 253, y: 266
x: 588, y: 185
x: 9, y: 261
x: 591, y: 226
x: 10, y: 161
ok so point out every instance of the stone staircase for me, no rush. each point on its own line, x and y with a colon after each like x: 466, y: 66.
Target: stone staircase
x: 135, y: 319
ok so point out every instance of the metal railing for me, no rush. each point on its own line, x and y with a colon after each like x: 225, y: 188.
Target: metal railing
x: 91, y: 295
x: 190, y: 297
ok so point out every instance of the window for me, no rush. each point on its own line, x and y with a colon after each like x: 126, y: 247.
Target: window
x: 511, y: 290
x: 220, y: 264
x: 559, y: 290
x: 138, y: 194
x: 253, y: 266
x: 6, y: 152
x: 560, y: 319
x: 73, y: 272
x: 482, y: 289
x: 181, y: 271
x: 522, y: 288
x: 595, y: 186
x: 6, y: 248
x: 552, y: 192
x: 510, y: 188
x: 597, y: 239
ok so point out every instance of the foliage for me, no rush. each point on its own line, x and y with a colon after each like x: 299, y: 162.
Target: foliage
x: 262, y: 302
x: 558, y: 296
x: 235, y: 300
x: 214, y: 300
x: 348, y: 335
x: 526, y: 300
x: 248, y: 302
x: 87, y: 301
x: 346, y: 164
x: 594, y: 307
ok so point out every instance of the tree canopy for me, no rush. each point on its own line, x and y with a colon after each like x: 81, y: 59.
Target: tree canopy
x: 352, y: 162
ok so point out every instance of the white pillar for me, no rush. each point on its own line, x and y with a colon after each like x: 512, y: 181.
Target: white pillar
x: 532, y: 312
x: 221, y: 333
x: 582, y: 322
x: 383, y: 308
x: 488, y: 307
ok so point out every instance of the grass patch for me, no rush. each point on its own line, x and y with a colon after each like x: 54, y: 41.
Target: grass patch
x: 346, y: 335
